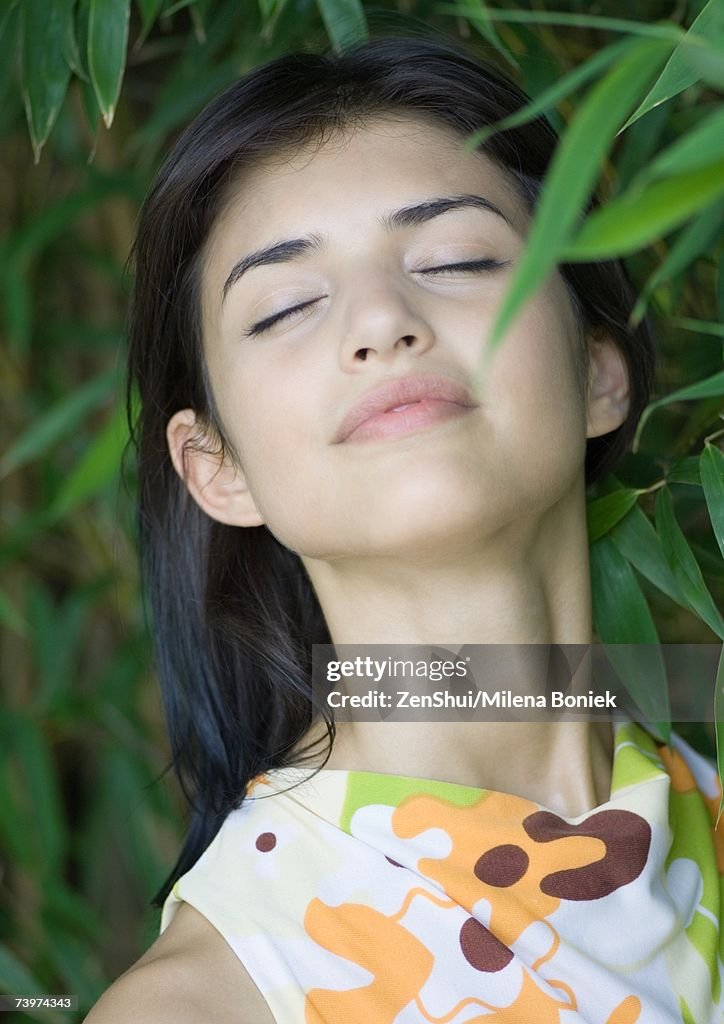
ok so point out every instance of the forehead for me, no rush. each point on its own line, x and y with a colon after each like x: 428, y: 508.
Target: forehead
x: 355, y: 172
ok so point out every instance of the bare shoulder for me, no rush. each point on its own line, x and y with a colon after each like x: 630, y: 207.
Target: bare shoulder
x: 190, y: 975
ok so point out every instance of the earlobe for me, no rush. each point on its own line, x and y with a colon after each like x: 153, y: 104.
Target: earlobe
x: 608, y: 398
x: 215, y: 483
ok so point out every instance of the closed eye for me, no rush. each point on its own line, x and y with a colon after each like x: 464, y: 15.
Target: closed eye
x: 264, y: 325
x: 471, y: 266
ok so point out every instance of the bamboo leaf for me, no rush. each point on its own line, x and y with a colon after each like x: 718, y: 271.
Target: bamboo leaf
x: 708, y: 61
x: 6, y: 15
x: 711, y: 463
x: 98, y: 467
x: 10, y: 617
x: 42, y: 793
x: 15, y: 976
x: 149, y: 11
x: 710, y: 387
x: 344, y: 21
x: 483, y: 24
x: 70, y: 43
x: 573, y: 174
x: 685, y: 471
x: 621, y: 612
x: 701, y: 146
x: 683, y: 565
x: 45, y: 71
x: 602, y: 514
x: 622, y: 617
x: 553, y: 95
x: 637, y: 540
x: 107, y: 42
x: 679, y: 73
x: 663, y: 30
x: 56, y: 423
x: 719, y: 728
x: 694, y: 240
x: 640, y: 217
x: 686, y: 323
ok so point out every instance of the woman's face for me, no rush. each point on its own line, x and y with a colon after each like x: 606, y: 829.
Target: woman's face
x: 375, y: 311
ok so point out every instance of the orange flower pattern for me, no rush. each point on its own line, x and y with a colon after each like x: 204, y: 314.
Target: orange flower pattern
x: 363, y: 898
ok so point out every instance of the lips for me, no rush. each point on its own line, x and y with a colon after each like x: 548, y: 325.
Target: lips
x: 403, y: 391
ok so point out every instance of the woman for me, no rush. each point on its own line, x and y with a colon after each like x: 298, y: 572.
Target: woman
x: 318, y: 265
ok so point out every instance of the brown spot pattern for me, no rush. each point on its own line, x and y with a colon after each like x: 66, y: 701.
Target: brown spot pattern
x: 482, y: 949
x: 502, y: 866
x: 266, y: 842
x: 626, y: 836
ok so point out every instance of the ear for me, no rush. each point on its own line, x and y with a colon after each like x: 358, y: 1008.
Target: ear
x: 608, y: 396
x: 213, y: 481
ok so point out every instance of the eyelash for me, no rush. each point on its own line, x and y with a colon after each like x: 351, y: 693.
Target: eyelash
x: 473, y: 266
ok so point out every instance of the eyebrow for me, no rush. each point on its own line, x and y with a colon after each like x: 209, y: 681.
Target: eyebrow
x: 408, y: 216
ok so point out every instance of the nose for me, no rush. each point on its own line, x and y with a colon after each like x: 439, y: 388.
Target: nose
x: 380, y: 323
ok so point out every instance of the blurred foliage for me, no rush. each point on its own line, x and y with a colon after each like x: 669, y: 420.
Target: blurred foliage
x: 93, y: 92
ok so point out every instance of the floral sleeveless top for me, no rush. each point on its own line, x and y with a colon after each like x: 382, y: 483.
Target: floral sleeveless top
x: 364, y: 898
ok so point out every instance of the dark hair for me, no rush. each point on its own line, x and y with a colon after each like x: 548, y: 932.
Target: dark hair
x: 234, y: 612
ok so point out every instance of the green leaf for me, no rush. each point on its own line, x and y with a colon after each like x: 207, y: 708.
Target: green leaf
x: 637, y: 540
x: 48, y: 224
x: 553, y: 95
x: 15, y: 977
x: 711, y: 463
x: 701, y: 146
x: 708, y: 61
x: 483, y: 24
x: 6, y: 15
x: 14, y: 835
x: 45, y: 71
x: 573, y: 172
x: 270, y: 11
x: 685, y: 471
x: 710, y: 387
x: 344, y: 21
x: 678, y: 73
x: 662, y: 30
x: 700, y: 326
x: 107, y: 42
x: 622, y: 617
x: 99, y: 466
x: 640, y: 217
x: 42, y: 793
x: 56, y: 423
x: 719, y: 728
x: 10, y: 617
x: 149, y: 11
x: 70, y: 43
x: 694, y: 240
x: 602, y: 514
x: 683, y: 564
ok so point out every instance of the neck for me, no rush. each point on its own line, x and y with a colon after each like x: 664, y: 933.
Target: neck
x: 526, y: 583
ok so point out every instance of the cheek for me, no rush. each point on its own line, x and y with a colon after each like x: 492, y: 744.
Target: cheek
x: 269, y: 426
x: 536, y: 392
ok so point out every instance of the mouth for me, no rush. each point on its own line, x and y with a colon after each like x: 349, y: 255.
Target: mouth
x: 407, y: 419
x: 403, y: 405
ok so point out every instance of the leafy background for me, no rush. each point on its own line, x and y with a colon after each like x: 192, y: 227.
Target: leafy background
x: 93, y: 91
